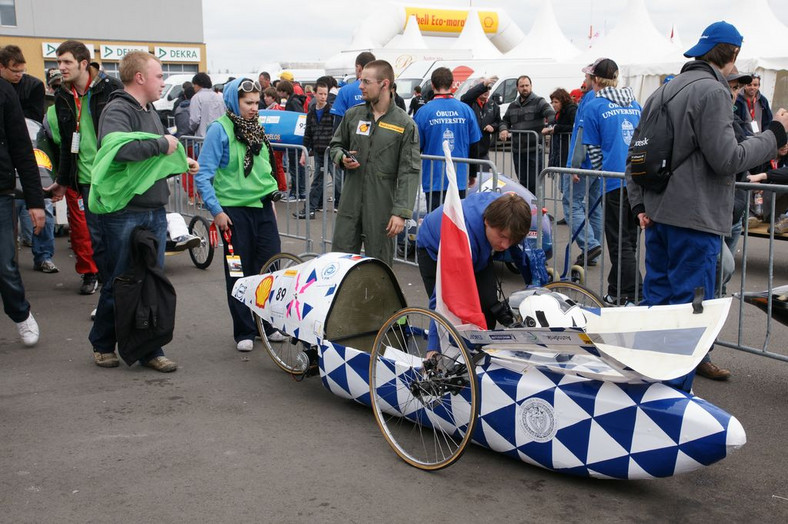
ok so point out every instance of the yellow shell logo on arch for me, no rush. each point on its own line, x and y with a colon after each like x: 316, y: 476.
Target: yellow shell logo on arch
x: 42, y: 159
x: 263, y: 291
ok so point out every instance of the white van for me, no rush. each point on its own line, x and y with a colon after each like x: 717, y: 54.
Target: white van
x: 173, y: 89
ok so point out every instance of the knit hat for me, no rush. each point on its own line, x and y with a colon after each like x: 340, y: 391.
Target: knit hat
x: 286, y: 75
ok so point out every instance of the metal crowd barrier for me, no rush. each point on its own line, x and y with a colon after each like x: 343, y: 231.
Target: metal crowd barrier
x: 596, y: 278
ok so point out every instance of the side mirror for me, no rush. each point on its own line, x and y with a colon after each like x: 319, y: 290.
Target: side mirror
x: 170, y: 97
x: 498, y: 99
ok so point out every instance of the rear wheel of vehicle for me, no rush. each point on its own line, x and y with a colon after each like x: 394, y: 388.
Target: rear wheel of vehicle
x: 287, y: 352
x: 578, y: 293
x: 425, y: 408
x: 201, y: 255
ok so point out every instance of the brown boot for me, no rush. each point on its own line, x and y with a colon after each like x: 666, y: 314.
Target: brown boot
x: 709, y: 370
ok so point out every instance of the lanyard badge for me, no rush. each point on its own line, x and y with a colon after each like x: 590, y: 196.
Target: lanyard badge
x: 233, y: 261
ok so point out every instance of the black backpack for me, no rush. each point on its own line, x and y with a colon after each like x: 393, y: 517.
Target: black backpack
x: 650, y: 156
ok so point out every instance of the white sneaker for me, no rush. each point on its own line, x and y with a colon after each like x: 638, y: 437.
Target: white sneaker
x: 93, y: 314
x: 276, y: 336
x: 245, y: 345
x: 28, y: 330
x: 182, y: 243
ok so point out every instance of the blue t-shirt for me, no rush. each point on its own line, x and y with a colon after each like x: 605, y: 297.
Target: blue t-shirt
x: 347, y: 97
x: 445, y: 119
x: 579, y: 123
x: 610, y: 126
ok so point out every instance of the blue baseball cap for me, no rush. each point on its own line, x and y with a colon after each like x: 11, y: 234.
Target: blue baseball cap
x: 716, y: 33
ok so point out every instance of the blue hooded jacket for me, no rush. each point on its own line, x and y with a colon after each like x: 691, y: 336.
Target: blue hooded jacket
x: 215, y: 151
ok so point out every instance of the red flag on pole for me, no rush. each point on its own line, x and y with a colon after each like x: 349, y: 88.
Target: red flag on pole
x: 455, y: 287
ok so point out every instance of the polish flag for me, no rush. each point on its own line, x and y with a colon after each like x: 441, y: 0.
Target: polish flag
x: 455, y: 285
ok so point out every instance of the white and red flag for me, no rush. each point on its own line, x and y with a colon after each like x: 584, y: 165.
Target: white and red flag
x: 456, y: 295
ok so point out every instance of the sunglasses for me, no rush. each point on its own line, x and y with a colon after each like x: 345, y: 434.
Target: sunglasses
x: 249, y: 86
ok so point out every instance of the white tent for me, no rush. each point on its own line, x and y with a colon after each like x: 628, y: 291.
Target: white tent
x: 411, y: 37
x: 545, y: 39
x: 474, y: 38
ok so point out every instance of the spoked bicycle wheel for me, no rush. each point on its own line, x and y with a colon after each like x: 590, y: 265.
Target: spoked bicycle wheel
x: 287, y: 352
x: 426, y: 409
x: 201, y: 255
x: 578, y: 293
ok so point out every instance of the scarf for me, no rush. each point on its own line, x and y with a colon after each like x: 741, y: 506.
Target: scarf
x: 251, y: 133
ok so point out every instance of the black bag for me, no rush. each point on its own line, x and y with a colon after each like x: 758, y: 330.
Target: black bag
x: 144, y: 301
x: 650, y: 155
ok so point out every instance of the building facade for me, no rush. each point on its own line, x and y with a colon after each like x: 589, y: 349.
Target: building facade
x: 172, y: 31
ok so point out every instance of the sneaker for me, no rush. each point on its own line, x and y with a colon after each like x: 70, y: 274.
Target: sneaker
x: 106, y: 360
x: 28, y: 330
x: 753, y: 221
x: 709, y: 370
x: 302, y: 215
x: 781, y: 226
x: 184, y: 242
x: 46, y: 267
x: 25, y: 243
x: 561, y: 222
x: 93, y: 314
x: 245, y: 345
x: 612, y: 302
x: 161, y: 364
x: 276, y: 336
x: 591, y: 255
x: 89, y: 284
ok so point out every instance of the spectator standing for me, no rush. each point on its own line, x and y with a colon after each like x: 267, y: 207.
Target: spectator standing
x: 79, y: 102
x: 182, y: 112
x: 398, y: 99
x: 265, y: 80
x: 16, y: 159
x: 609, y: 121
x: 416, y: 102
x: 378, y: 145
x: 133, y: 138
x: 350, y: 94
x: 236, y: 181
x: 565, y: 111
x: 205, y: 106
x: 683, y: 224
x: 29, y: 89
x: 528, y: 112
x: 293, y: 102
x: 488, y: 115
x: 317, y: 135
x: 752, y: 107
x: 445, y: 118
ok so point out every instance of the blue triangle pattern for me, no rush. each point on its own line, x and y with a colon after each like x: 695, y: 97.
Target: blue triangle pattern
x: 339, y: 375
x: 619, y: 425
x: 616, y: 468
x: 541, y: 452
x: 331, y: 290
x: 360, y: 364
x: 501, y: 420
x: 658, y: 462
x: 668, y: 414
x: 635, y: 391
x: 706, y: 450
x: 503, y: 379
x: 583, y: 393
x: 305, y: 312
x: 312, y: 277
x: 575, y: 438
x: 295, y: 332
x: 554, y: 377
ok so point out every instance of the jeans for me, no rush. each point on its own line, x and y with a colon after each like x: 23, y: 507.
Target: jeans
x: 316, y: 189
x: 116, y: 231
x: 588, y: 233
x: 11, y: 288
x: 297, y: 174
x: 255, y: 239
x: 44, y: 242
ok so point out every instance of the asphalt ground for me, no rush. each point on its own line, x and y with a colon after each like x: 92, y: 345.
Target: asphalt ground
x: 230, y: 438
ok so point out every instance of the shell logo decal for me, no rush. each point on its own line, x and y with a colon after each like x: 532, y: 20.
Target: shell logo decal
x: 42, y: 159
x: 363, y: 127
x: 263, y: 291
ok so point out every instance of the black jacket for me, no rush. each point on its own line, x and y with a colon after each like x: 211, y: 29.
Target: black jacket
x: 487, y: 115
x: 530, y: 115
x: 317, y: 135
x: 295, y: 103
x: 562, y: 131
x: 16, y: 151
x: 66, y: 111
x: 31, y: 94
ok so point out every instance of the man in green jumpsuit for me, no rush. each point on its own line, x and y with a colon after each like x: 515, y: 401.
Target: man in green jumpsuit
x: 378, y: 145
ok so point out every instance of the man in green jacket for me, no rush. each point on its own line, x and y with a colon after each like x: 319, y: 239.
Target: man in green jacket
x: 378, y: 145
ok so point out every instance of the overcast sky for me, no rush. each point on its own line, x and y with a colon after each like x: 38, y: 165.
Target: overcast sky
x: 242, y: 34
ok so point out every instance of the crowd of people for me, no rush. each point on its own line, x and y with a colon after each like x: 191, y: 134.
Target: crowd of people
x: 373, y: 146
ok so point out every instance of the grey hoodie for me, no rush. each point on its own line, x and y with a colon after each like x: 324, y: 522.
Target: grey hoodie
x: 124, y: 113
x: 699, y: 195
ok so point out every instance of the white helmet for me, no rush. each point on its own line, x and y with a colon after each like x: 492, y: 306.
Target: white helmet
x: 551, y: 310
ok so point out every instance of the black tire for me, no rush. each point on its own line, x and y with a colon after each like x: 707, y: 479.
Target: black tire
x: 288, y: 353
x: 511, y: 266
x: 578, y: 275
x: 578, y: 293
x: 202, y: 255
x: 426, y: 415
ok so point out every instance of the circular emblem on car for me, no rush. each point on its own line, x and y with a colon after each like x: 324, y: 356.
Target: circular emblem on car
x: 537, y: 418
x: 329, y: 271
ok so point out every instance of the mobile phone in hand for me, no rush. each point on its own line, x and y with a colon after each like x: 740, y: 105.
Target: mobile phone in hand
x: 349, y: 155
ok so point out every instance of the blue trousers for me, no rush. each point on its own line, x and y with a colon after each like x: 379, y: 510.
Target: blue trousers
x: 587, y: 233
x: 13, y: 292
x: 255, y: 239
x: 44, y: 242
x: 116, y: 231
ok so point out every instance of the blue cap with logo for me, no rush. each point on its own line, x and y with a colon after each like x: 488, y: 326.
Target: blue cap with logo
x: 716, y: 33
